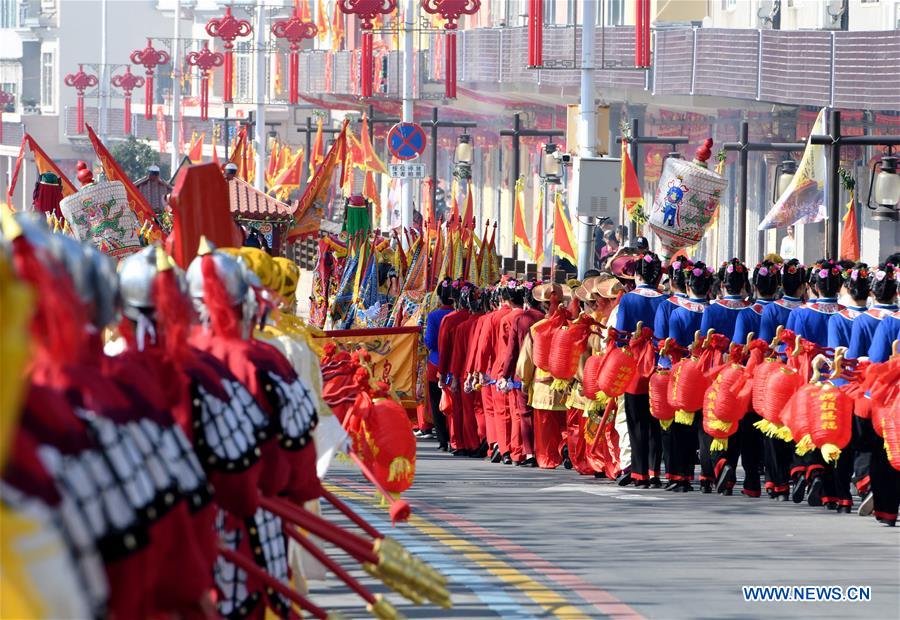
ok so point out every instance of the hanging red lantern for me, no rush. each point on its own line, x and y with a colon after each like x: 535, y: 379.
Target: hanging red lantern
x: 80, y: 82
x: 660, y: 408
x: 367, y: 11
x: 389, y: 431
x: 294, y: 30
x: 150, y: 58
x: 228, y: 28
x: 592, y: 367
x: 127, y: 82
x: 780, y: 387
x: 830, y: 420
x: 543, y: 339
x: 566, y: 348
x: 451, y: 10
x: 206, y: 61
x: 686, y: 389
x: 617, y: 372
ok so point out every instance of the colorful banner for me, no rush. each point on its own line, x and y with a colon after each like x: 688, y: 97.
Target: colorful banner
x: 803, y: 201
x: 394, y: 352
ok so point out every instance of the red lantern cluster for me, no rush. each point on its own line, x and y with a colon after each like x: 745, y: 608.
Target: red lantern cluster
x: 294, y: 30
x: 450, y: 10
x: 228, y: 28
x: 366, y: 11
x: 80, y: 81
x: 127, y: 82
x: 149, y: 58
x: 206, y: 61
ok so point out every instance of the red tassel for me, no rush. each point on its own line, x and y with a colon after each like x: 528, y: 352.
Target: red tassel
x: 366, y: 67
x: 536, y: 34
x: 173, y: 313
x: 223, y: 317
x: 294, y: 75
x: 80, y: 113
x: 227, y: 86
x: 148, y: 97
x: 450, y: 64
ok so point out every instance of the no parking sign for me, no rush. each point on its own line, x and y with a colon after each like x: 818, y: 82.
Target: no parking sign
x: 406, y: 141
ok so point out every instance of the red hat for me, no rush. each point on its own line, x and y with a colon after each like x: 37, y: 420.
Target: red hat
x: 356, y: 200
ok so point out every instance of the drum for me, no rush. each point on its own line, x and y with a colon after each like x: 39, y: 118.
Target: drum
x: 99, y: 214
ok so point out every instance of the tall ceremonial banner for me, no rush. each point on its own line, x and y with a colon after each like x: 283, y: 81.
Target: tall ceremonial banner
x: 563, y: 239
x: 538, y: 252
x: 520, y: 233
x: 803, y: 202
x: 850, y: 232
x: 632, y: 196
x: 136, y: 200
x: 394, y: 352
x: 43, y: 163
x: 317, y: 188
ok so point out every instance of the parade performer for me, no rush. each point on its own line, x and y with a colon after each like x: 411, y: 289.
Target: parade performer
x: 485, y: 362
x: 684, y: 323
x: 477, y: 377
x: 722, y: 313
x: 884, y: 290
x: 775, y: 315
x: 432, y: 329
x: 811, y: 319
x: 636, y: 306
x: 452, y: 406
x: 677, y: 274
x: 470, y: 416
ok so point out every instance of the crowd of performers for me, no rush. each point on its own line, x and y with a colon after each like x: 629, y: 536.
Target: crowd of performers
x: 645, y: 372
x: 164, y: 435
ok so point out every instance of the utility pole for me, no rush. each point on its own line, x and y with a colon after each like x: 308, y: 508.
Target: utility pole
x: 587, y: 129
x: 176, y: 89
x: 406, y: 212
x: 104, y: 74
x: 260, y: 181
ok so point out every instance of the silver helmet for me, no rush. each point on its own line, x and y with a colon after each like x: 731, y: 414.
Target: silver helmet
x: 229, y: 270
x: 136, y: 274
x: 104, y: 286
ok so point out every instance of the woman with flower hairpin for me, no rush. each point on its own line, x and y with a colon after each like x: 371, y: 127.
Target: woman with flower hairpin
x: 776, y: 314
x: 884, y: 290
x: 856, y: 286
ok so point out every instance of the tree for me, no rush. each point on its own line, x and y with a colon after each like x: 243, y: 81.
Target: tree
x: 135, y: 156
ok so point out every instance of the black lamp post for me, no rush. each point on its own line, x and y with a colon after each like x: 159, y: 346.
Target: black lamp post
x: 435, y: 124
x: 884, y: 183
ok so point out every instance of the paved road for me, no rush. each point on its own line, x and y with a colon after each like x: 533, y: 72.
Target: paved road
x: 528, y: 543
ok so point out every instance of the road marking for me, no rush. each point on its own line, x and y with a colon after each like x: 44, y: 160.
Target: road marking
x: 607, y: 492
x: 550, y: 601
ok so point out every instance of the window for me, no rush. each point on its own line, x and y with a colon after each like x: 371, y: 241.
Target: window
x: 48, y: 71
x: 728, y: 5
x: 9, y: 14
x: 242, y: 61
x: 10, y: 87
x: 615, y: 12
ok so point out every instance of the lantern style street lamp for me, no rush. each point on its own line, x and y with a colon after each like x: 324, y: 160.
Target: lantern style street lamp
x: 784, y: 174
x: 550, y: 166
x: 884, y: 190
x: 463, y: 169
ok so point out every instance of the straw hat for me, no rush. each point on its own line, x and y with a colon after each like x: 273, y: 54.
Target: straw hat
x: 586, y: 292
x: 621, y: 264
x: 542, y: 292
x: 607, y: 286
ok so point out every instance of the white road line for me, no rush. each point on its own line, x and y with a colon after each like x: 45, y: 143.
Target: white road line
x: 607, y: 492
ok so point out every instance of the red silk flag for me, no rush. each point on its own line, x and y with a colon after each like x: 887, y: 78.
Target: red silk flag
x: 321, y: 21
x: 238, y: 157
x: 305, y: 10
x: 136, y: 200
x: 538, y: 249
x: 337, y: 28
x: 520, y: 233
x: 317, y: 188
x: 272, y: 168
x: 370, y: 157
x: 215, y: 155
x: 318, y: 151
x: 370, y: 191
x: 196, y: 152
x: 11, y: 188
x: 453, y: 221
x: 289, y: 177
x: 468, y: 220
x: 43, y: 163
x: 631, y: 190
x: 563, y: 239
x: 850, y: 233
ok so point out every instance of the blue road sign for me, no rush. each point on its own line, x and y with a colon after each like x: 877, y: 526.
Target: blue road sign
x: 406, y: 140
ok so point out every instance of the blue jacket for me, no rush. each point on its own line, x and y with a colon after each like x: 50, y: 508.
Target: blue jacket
x: 887, y: 332
x: 638, y: 305
x: 685, y: 320
x: 841, y: 324
x: 748, y: 321
x: 776, y: 314
x: 721, y: 315
x: 811, y: 319
x: 865, y: 326
x: 663, y: 312
x: 432, y: 328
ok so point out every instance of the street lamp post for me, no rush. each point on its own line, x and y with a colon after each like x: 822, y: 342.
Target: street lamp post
x: 436, y: 124
x: 744, y: 147
x: 517, y: 133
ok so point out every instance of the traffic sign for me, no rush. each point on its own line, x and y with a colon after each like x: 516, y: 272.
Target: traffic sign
x: 406, y: 140
x: 407, y: 170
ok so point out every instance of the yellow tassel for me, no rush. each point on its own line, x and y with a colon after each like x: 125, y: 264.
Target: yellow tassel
x: 804, y: 446
x: 764, y: 426
x: 783, y: 433
x: 599, y: 403
x: 719, y: 425
x: 665, y: 424
x: 719, y: 445
x: 400, y: 469
x: 560, y: 385
x: 830, y: 453
x: 684, y: 417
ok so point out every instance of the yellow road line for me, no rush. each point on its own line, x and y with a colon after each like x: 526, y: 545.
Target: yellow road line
x: 550, y: 601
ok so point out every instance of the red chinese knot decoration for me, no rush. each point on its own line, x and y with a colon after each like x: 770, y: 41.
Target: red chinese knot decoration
x: 228, y: 28
x: 451, y: 10
x: 5, y: 99
x: 150, y: 58
x: 80, y: 82
x: 294, y: 30
x: 128, y: 81
x: 366, y: 11
x: 206, y: 61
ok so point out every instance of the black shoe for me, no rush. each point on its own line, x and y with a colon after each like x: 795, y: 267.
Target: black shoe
x: 460, y: 453
x: 798, y: 490
x: 624, y: 478
x: 481, y: 452
x: 567, y: 461
x: 684, y: 486
x: 814, y: 497
x: 642, y: 484
x: 496, y: 457
x: 728, y: 491
x: 529, y: 462
x: 831, y: 505
x: 724, y: 481
x: 507, y: 459
x: 599, y: 475
x: 770, y: 493
x: 705, y: 486
x: 671, y: 485
x: 781, y: 497
x: 442, y: 447
x: 655, y: 483
x: 844, y: 509
x: 887, y: 522
x: 867, y: 505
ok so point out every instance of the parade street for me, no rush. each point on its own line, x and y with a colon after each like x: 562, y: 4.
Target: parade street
x: 531, y: 543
